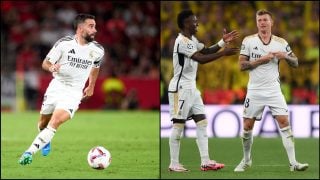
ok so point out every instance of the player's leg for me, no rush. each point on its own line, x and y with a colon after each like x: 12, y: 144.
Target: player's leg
x: 247, y: 141
x: 178, y: 113
x: 253, y: 110
x: 174, y: 144
x: 59, y: 116
x: 288, y: 143
x: 46, y: 111
x: 43, y: 122
x: 199, y: 117
x: 202, y: 143
x: 279, y: 110
x: 247, y: 138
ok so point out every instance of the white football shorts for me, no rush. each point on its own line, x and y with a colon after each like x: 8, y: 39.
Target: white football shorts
x: 185, y: 103
x: 61, y: 96
x: 256, y: 101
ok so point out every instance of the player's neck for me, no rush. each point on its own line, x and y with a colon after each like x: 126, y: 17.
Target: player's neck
x: 265, y: 36
x: 80, y: 40
x: 186, y: 34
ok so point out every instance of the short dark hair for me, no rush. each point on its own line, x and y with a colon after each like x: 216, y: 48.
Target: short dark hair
x: 80, y: 18
x: 263, y: 12
x: 182, y: 16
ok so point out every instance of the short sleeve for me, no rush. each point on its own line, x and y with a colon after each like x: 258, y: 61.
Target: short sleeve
x: 55, y: 53
x: 187, y: 48
x: 245, y: 48
x: 200, y: 46
x: 287, y: 47
x: 98, y: 58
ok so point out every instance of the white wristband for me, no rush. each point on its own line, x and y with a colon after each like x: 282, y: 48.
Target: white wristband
x: 221, y: 43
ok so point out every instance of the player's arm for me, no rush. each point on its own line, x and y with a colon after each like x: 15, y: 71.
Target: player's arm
x: 245, y: 64
x: 205, y: 58
x: 290, y: 58
x: 88, y: 91
x: 48, y: 66
x: 212, y: 49
x: 226, y: 38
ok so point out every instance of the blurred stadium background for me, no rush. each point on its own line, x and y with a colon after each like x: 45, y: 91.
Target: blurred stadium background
x: 129, y: 32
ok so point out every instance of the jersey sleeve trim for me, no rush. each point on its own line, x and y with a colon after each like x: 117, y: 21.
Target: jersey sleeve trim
x: 66, y: 38
x: 245, y: 55
x: 98, y: 45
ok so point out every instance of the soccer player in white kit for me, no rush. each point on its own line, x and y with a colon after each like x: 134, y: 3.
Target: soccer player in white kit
x: 184, y: 98
x: 260, y: 54
x: 72, y: 61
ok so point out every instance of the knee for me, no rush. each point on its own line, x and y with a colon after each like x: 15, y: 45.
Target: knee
x: 177, y: 130
x: 202, y: 123
x: 248, y: 124
x: 179, y: 126
x: 282, y: 121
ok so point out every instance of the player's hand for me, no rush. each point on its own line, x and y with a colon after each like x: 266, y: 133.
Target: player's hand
x: 87, y: 93
x: 267, y: 58
x: 280, y: 55
x: 227, y: 37
x: 54, y: 68
x: 84, y: 98
x: 230, y: 51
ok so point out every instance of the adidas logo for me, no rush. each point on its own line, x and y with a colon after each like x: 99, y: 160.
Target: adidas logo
x: 256, y: 48
x: 37, y: 145
x: 71, y: 51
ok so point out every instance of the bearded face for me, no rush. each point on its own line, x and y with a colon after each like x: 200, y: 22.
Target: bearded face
x: 89, y: 37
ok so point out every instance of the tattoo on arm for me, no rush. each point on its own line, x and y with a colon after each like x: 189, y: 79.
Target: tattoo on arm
x: 245, y: 65
x: 292, y: 60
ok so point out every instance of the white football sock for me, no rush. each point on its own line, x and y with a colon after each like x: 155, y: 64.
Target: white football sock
x: 41, y: 140
x: 247, y: 141
x: 174, y: 143
x: 288, y: 143
x: 202, y: 141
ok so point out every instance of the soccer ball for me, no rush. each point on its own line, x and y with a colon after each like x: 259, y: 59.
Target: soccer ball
x: 99, y: 157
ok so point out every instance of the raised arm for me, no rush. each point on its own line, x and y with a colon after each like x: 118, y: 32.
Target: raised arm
x: 226, y: 38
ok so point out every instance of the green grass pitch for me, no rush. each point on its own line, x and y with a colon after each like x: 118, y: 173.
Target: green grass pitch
x: 132, y: 137
x: 269, y: 159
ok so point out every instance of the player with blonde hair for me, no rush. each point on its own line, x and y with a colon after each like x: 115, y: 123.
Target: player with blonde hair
x: 260, y: 54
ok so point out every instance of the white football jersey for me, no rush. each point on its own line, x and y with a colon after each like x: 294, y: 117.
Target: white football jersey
x: 76, y: 60
x: 265, y: 76
x: 184, y: 68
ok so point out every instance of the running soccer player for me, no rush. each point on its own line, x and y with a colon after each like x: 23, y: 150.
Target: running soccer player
x: 260, y: 55
x: 72, y: 61
x: 184, y: 98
